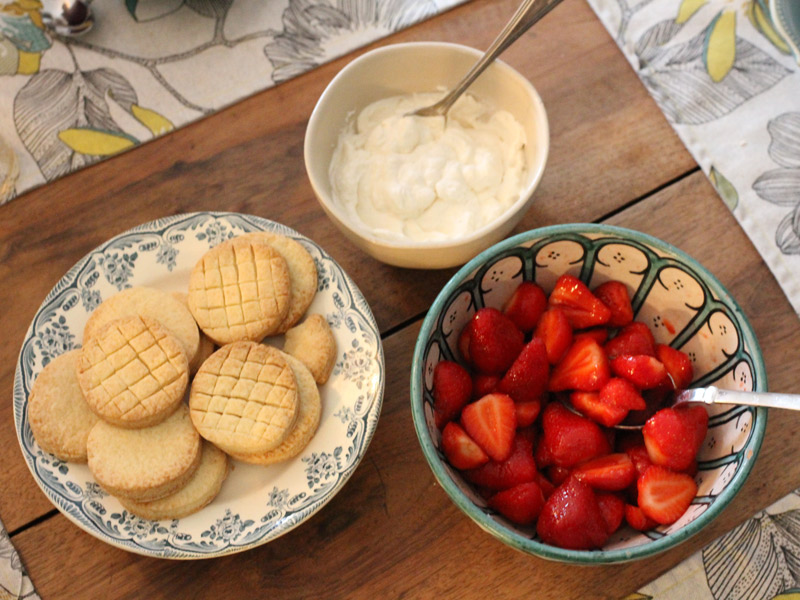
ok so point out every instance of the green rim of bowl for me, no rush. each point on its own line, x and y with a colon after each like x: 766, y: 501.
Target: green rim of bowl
x: 532, y: 546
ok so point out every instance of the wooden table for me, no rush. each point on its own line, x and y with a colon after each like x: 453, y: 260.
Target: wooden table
x: 391, y: 531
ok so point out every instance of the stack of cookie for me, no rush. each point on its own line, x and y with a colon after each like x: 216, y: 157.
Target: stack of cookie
x: 118, y: 402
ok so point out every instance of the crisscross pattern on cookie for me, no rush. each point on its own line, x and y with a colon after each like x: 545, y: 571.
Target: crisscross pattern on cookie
x: 133, y: 373
x: 239, y: 291
x: 244, y: 398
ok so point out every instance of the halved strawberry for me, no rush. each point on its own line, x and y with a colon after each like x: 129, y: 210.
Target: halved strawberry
x: 520, y: 504
x: 584, y: 367
x: 452, y: 389
x: 518, y: 468
x: 634, y: 338
x: 491, y: 422
x: 674, y: 435
x: 483, y: 384
x: 569, y: 439
x: 665, y: 495
x: 637, y: 519
x: 494, y: 341
x: 645, y: 372
x: 610, y: 473
x: 614, y: 294
x: 526, y: 379
x: 527, y: 412
x: 640, y: 458
x: 621, y: 392
x: 612, y: 508
x: 678, y: 365
x: 590, y: 405
x: 598, y: 334
x: 461, y: 450
x: 526, y: 305
x: 555, y: 330
x: 571, y: 518
x: 582, y: 307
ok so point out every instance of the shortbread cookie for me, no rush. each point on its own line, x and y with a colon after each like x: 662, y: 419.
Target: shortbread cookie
x: 313, y: 343
x: 198, y: 492
x: 302, y: 274
x: 307, y: 419
x: 133, y: 373
x: 147, y: 302
x: 58, y: 414
x: 244, y: 398
x: 239, y: 291
x: 145, y: 464
x: 206, y: 346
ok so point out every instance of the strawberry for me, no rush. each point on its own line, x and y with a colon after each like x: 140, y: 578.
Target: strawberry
x: 526, y: 305
x: 645, y: 372
x: 598, y: 334
x: 557, y: 475
x: 612, y: 508
x: 483, y: 384
x: 526, y: 379
x: 463, y: 342
x: 678, y: 365
x: 637, y: 519
x: 520, y: 504
x: 582, y: 307
x: 614, y: 294
x: 494, y: 341
x: 665, y: 495
x: 584, y: 367
x: 518, y: 468
x: 590, y: 405
x: 569, y: 439
x: 491, y: 422
x: 545, y: 484
x: 571, y: 518
x: 555, y: 330
x: 640, y: 458
x: 452, y: 389
x: 527, y: 412
x: 674, y: 435
x: 610, y: 473
x: 635, y: 338
x: 461, y: 450
x: 621, y: 392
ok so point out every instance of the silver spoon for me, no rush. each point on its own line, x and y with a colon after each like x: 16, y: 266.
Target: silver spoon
x: 67, y: 17
x: 529, y: 12
x: 709, y: 395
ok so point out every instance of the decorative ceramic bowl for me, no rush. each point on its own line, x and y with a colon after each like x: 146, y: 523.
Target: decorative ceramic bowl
x: 422, y: 67
x: 684, y: 305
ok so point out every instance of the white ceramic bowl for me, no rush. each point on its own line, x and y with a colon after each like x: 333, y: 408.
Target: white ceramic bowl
x: 422, y: 67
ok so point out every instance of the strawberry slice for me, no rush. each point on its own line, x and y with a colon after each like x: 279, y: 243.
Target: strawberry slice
x: 612, y: 508
x: 494, y: 341
x: 610, y: 473
x: 483, y: 384
x: 598, y: 334
x: 584, y: 367
x: 640, y: 458
x: 571, y: 518
x: 520, y: 504
x: 621, y: 392
x: 637, y: 519
x: 645, y: 372
x: 582, y: 307
x: 665, y: 495
x: 452, y: 389
x: 555, y: 330
x: 674, y: 435
x: 491, y: 422
x: 569, y: 439
x: 518, y: 468
x: 678, y: 365
x: 635, y: 338
x: 527, y: 412
x: 461, y: 450
x: 614, y: 294
x: 526, y: 379
x: 590, y: 405
x: 526, y: 305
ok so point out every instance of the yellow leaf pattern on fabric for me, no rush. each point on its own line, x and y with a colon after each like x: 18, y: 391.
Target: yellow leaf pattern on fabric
x: 763, y: 25
x: 29, y: 62
x: 155, y: 122
x: 91, y: 141
x: 22, y: 7
x: 720, y: 46
x: 637, y: 596
x: 688, y: 8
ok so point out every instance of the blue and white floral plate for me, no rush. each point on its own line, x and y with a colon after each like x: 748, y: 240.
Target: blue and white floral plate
x: 257, y: 504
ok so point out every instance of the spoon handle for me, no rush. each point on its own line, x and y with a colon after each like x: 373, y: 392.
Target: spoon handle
x: 713, y: 395
x: 529, y: 12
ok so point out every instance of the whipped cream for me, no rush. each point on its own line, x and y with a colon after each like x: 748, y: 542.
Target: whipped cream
x: 428, y: 178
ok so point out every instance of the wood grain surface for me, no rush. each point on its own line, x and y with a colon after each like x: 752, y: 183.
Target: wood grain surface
x: 391, y: 532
